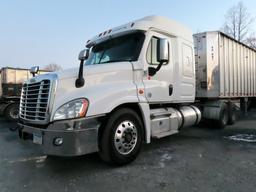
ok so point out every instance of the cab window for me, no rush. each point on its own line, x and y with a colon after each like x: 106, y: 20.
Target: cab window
x: 152, y: 51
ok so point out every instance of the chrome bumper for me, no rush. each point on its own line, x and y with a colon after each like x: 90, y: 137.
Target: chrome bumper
x: 75, y: 141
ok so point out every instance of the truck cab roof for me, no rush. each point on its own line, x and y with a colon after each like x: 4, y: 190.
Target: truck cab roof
x: 157, y: 23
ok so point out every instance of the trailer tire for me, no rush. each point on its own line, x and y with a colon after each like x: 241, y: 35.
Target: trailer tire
x: 121, y: 140
x: 232, y: 114
x: 223, y: 117
x: 12, y: 112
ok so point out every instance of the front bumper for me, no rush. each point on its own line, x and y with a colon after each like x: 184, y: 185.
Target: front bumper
x: 79, y: 137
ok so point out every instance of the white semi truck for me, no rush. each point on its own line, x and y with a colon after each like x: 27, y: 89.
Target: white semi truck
x: 142, y: 80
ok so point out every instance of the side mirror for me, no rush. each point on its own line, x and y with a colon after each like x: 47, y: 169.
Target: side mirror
x: 34, y: 70
x: 163, y: 50
x: 162, y: 56
x: 83, y: 55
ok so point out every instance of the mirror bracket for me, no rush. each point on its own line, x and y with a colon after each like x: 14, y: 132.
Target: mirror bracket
x: 151, y: 71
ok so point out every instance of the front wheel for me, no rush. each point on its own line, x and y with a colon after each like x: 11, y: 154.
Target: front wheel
x: 121, y: 139
x: 12, y: 112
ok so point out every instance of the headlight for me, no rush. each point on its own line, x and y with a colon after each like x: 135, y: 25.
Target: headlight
x: 73, y: 109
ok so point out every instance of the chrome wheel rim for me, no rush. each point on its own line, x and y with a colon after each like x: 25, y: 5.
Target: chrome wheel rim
x: 125, y: 137
x: 14, y: 114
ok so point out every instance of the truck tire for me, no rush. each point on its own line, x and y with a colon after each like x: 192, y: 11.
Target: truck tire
x: 121, y: 139
x: 223, y: 117
x: 12, y: 112
x: 232, y: 114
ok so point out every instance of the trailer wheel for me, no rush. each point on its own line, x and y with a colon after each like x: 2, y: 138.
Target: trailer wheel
x: 121, y: 140
x: 232, y: 114
x: 223, y: 117
x: 12, y: 112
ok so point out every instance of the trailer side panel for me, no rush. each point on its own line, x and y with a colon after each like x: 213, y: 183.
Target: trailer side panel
x: 225, y: 67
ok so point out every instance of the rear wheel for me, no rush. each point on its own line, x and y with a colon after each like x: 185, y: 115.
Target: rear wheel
x: 223, y: 117
x: 121, y: 140
x: 232, y: 114
x: 12, y: 112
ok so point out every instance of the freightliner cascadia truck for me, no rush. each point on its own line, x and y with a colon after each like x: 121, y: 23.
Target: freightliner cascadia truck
x: 146, y: 79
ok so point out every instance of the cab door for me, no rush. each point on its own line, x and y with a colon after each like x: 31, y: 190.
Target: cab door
x: 159, y: 87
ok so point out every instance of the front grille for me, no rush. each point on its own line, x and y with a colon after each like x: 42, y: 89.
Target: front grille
x: 34, y: 101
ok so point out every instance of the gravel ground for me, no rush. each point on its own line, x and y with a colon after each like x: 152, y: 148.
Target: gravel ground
x: 196, y: 159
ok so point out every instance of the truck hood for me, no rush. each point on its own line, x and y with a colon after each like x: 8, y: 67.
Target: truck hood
x: 89, y: 70
x: 68, y: 73
x: 101, y: 81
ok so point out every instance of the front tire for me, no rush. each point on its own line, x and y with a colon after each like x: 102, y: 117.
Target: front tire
x: 12, y: 112
x: 121, y: 139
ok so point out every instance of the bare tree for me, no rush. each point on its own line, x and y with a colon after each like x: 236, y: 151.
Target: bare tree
x: 238, y: 22
x: 251, y: 41
x: 52, y: 67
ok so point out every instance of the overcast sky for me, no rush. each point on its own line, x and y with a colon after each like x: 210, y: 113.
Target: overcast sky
x: 35, y: 32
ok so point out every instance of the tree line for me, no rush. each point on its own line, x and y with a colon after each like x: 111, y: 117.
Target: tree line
x: 239, y: 23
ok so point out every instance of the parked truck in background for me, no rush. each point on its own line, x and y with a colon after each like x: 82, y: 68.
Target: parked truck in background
x: 11, y: 80
x: 142, y: 80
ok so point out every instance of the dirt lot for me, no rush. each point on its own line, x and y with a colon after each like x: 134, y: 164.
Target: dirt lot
x: 197, y: 159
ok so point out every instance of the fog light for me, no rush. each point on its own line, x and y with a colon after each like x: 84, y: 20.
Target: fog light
x: 58, y: 141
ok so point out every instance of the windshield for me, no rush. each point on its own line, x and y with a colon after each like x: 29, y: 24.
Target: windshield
x: 124, y: 48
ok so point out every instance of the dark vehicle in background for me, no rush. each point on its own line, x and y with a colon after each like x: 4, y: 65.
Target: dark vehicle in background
x: 11, y: 80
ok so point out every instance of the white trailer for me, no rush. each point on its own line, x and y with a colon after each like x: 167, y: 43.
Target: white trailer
x: 225, y: 74
x: 135, y: 82
x: 225, y: 68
